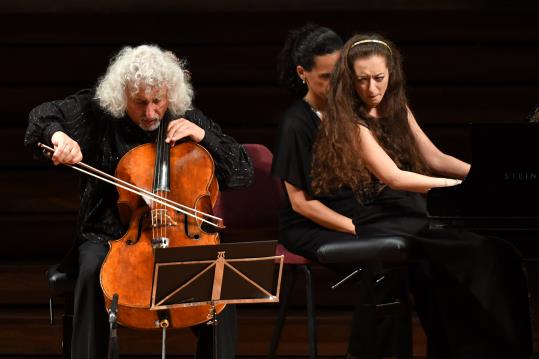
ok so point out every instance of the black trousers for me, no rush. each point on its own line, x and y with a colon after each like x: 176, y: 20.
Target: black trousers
x: 90, y: 320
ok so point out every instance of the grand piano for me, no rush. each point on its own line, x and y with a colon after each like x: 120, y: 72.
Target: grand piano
x: 500, y: 196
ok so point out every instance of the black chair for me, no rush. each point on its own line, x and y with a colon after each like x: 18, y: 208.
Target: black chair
x: 294, y: 263
x: 62, y: 285
x: 392, y: 251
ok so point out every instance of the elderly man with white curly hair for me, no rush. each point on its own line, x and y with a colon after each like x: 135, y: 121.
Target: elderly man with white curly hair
x: 142, y: 86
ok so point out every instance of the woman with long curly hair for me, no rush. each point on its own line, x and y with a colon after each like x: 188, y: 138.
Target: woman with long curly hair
x: 307, y: 221
x: 470, y: 291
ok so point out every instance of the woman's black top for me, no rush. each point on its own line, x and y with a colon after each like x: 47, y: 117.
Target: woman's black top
x: 292, y: 163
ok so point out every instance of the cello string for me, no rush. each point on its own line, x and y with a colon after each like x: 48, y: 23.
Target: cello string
x: 156, y: 207
x: 157, y: 218
x: 165, y: 234
x: 157, y: 178
x: 164, y: 150
x: 152, y: 206
x: 160, y: 161
x: 140, y: 191
x: 163, y: 219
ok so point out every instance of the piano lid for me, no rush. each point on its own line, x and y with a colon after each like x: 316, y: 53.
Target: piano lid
x: 504, y: 176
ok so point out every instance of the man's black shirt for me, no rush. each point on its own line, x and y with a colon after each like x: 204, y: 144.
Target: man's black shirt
x: 104, y: 140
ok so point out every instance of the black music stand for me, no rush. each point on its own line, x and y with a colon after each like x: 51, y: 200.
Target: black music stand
x: 230, y: 273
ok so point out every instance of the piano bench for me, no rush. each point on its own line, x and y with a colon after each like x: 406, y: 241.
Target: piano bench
x: 392, y: 251
x: 62, y: 285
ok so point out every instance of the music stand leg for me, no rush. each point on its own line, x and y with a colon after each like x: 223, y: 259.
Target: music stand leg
x: 213, y: 321
x: 163, y: 324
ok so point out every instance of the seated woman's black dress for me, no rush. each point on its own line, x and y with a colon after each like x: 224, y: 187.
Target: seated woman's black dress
x: 292, y: 163
x: 470, y: 290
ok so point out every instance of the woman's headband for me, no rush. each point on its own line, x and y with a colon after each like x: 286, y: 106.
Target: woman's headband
x: 372, y: 41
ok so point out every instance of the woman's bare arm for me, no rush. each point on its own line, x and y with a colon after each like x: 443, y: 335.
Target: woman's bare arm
x: 438, y: 161
x: 383, y: 167
x: 318, y: 212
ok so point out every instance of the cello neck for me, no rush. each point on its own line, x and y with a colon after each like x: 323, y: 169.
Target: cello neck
x: 161, y: 178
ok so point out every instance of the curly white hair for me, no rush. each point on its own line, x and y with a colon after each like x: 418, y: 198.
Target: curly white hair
x: 144, y: 66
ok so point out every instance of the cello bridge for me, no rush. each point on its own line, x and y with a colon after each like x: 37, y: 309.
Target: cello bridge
x: 160, y: 242
x: 161, y: 218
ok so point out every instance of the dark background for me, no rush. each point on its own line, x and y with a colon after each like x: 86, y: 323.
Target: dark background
x: 465, y: 61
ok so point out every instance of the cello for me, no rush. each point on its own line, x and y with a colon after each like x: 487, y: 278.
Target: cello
x: 166, y: 196
x: 184, y: 174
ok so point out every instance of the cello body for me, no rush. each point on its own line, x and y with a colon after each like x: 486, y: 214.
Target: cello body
x: 184, y: 174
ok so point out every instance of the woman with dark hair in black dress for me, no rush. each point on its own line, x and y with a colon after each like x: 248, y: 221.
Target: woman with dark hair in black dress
x: 308, y: 221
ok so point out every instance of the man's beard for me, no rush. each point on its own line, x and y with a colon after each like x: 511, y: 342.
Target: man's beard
x: 149, y: 126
